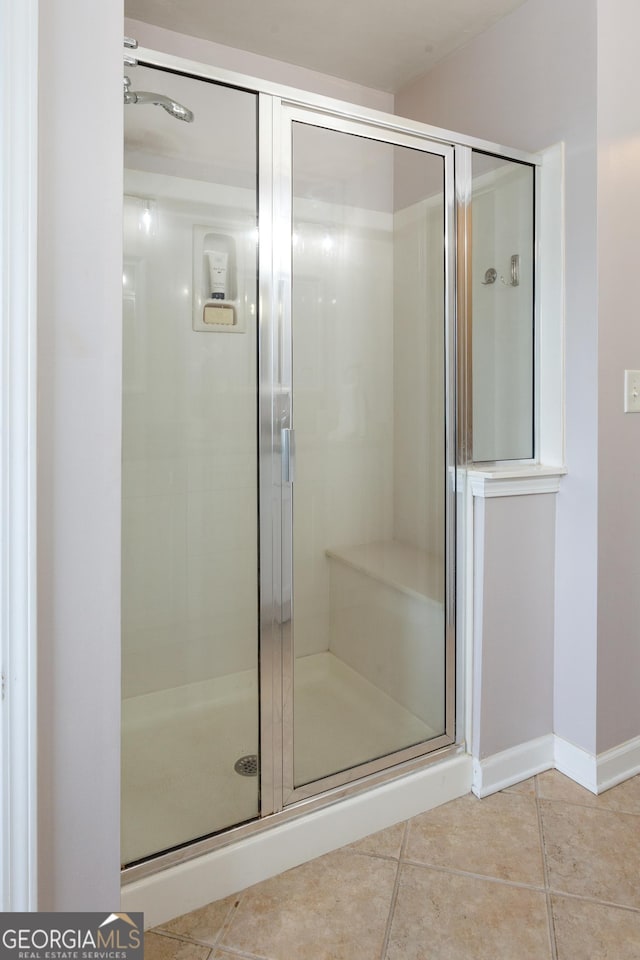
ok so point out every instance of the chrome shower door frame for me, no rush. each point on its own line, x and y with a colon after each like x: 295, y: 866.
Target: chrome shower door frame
x: 279, y: 802
x: 276, y: 419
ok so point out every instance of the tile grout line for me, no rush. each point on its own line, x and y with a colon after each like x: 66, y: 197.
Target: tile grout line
x: 186, y: 938
x: 594, y: 900
x: 241, y: 954
x: 167, y: 935
x: 589, y: 806
x: 545, y: 870
x: 394, y: 894
x: 228, y: 920
x: 374, y: 856
x: 519, y: 884
x: 554, y: 891
x: 170, y: 935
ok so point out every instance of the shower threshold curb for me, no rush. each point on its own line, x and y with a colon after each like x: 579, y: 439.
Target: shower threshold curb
x: 194, y: 883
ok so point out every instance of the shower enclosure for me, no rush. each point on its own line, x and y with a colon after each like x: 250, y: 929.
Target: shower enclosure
x: 288, y: 454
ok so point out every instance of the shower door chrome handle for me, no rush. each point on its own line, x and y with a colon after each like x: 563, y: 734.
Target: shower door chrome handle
x: 288, y: 447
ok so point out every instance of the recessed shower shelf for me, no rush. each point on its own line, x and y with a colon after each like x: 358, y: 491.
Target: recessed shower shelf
x: 217, y: 306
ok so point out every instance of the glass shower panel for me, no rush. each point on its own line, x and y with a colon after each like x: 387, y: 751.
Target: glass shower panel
x: 503, y: 309
x: 368, y: 379
x: 190, y: 525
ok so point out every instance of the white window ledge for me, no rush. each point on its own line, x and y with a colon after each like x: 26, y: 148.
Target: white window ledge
x: 510, y: 480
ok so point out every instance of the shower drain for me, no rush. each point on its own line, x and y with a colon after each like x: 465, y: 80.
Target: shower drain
x: 247, y: 766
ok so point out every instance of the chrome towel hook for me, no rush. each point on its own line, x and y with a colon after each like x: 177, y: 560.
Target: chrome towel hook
x: 514, y: 280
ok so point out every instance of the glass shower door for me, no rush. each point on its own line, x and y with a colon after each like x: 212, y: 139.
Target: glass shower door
x: 368, y: 629
x: 190, y: 721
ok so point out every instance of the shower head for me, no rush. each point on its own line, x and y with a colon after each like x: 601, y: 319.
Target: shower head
x: 172, y: 107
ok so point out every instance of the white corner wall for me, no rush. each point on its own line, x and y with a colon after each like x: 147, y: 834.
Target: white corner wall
x: 530, y: 81
x: 79, y: 331
x: 18, y: 429
x: 619, y: 348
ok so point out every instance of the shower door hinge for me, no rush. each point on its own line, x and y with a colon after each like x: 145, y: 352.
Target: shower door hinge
x: 130, y: 44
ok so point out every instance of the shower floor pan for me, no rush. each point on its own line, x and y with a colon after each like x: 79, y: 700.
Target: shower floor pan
x: 180, y: 746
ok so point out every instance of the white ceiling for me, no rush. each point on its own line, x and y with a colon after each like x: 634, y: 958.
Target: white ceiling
x: 372, y: 42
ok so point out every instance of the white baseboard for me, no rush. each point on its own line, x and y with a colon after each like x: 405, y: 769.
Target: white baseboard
x: 212, y: 876
x: 511, y: 766
x: 601, y: 772
x: 595, y: 773
x: 618, y: 764
x: 576, y: 763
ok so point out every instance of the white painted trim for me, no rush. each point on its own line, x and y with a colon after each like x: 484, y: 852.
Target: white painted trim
x: 526, y: 481
x: 576, y: 763
x: 18, y: 214
x: 476, y: 638
x: 550, y: 288
x: 465, y: 612
x: 601, y: 772
x: 227, y: 870
x: 619, y: 764
x: 595, y: 774
x: 512, y: 766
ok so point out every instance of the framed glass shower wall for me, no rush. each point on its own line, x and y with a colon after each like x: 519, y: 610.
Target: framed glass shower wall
x: 498, y: 279
x: 280, y: 797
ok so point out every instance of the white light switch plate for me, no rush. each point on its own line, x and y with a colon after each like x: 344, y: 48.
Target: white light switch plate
x: 632, y: 391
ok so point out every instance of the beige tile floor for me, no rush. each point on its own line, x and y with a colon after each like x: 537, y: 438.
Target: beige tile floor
x: 542, y: 871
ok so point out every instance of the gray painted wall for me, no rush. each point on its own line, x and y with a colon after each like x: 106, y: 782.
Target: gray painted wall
x: 513, y: 621
x: 619, y: 348
x: 79, y: 331
x: 529, y: 82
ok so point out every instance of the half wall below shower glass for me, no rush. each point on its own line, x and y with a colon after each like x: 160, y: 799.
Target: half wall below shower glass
x: 190, y: 526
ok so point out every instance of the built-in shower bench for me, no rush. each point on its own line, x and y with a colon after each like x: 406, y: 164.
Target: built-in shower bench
x: 399, y: 565
x: 386, y: 613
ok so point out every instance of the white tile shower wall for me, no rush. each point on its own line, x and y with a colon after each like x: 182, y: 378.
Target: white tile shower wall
x: 418, y: 384
x: 377, y: 629
x: 189, y: 458
x: 189, y: 453
x: 343, y: 399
